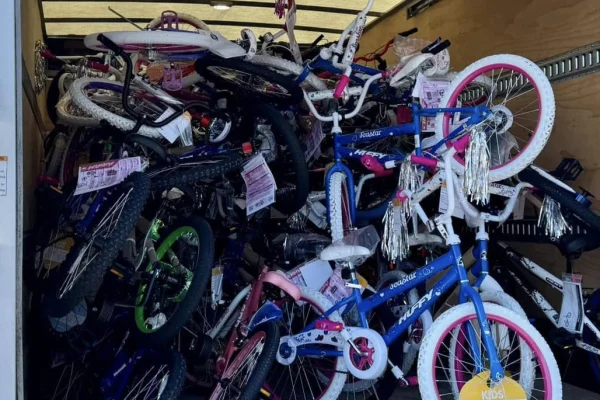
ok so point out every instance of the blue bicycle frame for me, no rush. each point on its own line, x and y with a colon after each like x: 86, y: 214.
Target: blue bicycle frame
x: 457, y: 274
x: 342, y: 150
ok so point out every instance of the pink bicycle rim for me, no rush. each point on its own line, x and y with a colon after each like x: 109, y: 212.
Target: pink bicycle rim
x: 522, y: 334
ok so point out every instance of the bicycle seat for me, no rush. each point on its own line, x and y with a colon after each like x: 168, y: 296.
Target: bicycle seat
x: 411, y: 65
x: 340, y: 251
x: 574, y: 243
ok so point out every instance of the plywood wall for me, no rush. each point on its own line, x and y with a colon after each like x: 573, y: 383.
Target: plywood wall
x: 31, y: 31
x: 536, y: 29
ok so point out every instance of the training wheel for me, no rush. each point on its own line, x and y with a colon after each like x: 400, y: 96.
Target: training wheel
x: 371, y: 359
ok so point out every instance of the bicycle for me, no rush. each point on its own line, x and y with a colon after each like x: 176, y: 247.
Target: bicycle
x: 364, y: 351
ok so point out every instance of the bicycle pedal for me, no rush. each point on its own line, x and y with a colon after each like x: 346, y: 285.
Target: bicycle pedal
x: 563, y: 338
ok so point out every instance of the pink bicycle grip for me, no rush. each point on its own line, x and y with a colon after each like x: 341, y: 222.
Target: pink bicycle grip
x: 47, y: 54
x: 401, y: 196
x: 424, y: 161
x: 98, y: 66
x: 373, y: 165
x: 461, y: 144
x: 341, y: 85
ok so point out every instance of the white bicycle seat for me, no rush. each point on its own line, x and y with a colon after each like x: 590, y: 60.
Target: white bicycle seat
x: 340, y: 251
x: 411, y: 65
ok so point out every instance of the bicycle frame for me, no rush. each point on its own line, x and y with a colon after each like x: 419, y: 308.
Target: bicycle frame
x: 518, y: 261
x: 457, y: 274
x: 342, y: 150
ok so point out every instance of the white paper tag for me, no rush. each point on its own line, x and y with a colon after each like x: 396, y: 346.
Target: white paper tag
x: 335, y: 288
x: 313, y: 140
x: 216, y: 286
x: 181, y: 127
x: 443, y: 206
x: 571, y: 311
x: 3, y: 175
x: 312, y: 274
x: 430, y: 96
x: 93, y: 177
x: 260, y: 184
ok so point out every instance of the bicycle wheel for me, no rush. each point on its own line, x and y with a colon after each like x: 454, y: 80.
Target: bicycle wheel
x: 521, y: 103
x: 82, y: 272
x: 314, y: 378
x: 289, y: 168
x: 71, y: 115
x: 53, y: 96
x: 101, y: 99
x: 185, y: 257
x: 565, y: 198
x: 440, y: 380
x: 244, y: 78
x: 339, y: 206
x: 155, y: 375
x: 245, y: 375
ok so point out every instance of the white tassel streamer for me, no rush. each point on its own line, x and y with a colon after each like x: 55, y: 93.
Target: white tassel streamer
x: 477, y: 168
x: 552, y: 220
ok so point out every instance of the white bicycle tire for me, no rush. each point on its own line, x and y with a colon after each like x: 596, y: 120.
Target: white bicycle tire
x: 190, y: 19
x: 199, y: 40
x: 56, y: 154
x: 336, y: 219
x: 66, y: 118
x: 441, y: 326
x: 80, y: 98
x: 339, y: 378
x: 537, y: 143
x: 290, y: 67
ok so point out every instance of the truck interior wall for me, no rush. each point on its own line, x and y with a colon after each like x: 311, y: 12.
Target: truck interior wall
x: 536, y: 29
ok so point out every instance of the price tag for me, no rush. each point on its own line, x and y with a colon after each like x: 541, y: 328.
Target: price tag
x: 260, y: 184
x: 430, y: 96
x: 96, y: 176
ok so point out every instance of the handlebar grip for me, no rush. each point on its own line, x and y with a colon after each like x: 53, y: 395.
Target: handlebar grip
x: 424, y: 161
x: 409, y: 32
x: 112, y: 46
x: 99, y: 66
x: 430, y: 46
x: 47, y: 54
x: 461, y: 144
x: 341, y: 85
x: 317, y: 40
x: 440, y: 47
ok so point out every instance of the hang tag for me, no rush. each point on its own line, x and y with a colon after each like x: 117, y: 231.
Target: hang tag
x: 571, y: 311
x: 458, y: 211
x: 335, y: 288
x: 313, y: 140
x: 96, y: 176
x: 430, y: 93
x: 216, y: 286
x: 260, y: 184
x: 180, y: 127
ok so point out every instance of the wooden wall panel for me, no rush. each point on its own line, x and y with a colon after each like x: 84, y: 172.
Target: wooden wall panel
x: 536, y: 29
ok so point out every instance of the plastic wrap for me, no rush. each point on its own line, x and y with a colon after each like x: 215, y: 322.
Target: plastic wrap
x: 299, y: 247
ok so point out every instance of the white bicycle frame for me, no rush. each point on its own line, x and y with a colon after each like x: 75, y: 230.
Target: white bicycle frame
x: 543, y: 304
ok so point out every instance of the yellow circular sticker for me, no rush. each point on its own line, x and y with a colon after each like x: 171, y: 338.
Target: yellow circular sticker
x: 477, y: 388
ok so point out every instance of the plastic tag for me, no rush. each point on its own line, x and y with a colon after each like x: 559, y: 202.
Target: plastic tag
x: 313, y: 140
x: 312, y: 274
x: 93, y: 177
x: 571, y: 311
x: 216, y: 286
x: 335, y: 288
x: 180, y: 127
x: 260, y: 184
x: 317, y: 214
x: 458, y: 212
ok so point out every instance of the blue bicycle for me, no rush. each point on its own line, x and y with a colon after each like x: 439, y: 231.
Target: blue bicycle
x: 473, y: 350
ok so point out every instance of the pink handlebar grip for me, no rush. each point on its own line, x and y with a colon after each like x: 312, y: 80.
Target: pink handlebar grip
x: 341, y: 85
x: 98, y: 66
x: 47, y: 54
x: 373, y: 165
x: 424, y: 161
x: 461, y: 144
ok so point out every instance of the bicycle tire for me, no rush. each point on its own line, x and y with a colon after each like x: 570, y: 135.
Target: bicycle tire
x: 176, y: 368
x: 457, y: 315
x: 546, y: 120
x: 565, y: 198
x: 182, y: 17
x: 337, y: 190
x: 162, y: 180
x: 261, y: 369
x: 198, y: 284
x: 592, y: 309
x: 203, y: 67
x: 89, y: 280
x: 285, y: 135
